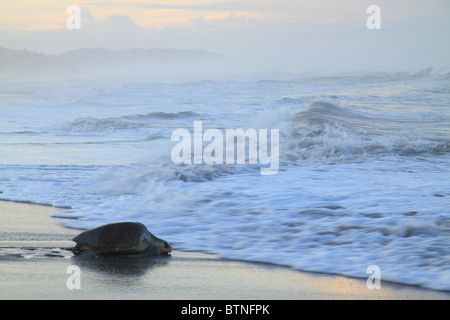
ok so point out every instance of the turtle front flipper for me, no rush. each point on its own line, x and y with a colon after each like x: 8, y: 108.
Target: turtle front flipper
x: 152, y: 250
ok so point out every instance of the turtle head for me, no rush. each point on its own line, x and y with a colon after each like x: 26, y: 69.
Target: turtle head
x: 163, y: 246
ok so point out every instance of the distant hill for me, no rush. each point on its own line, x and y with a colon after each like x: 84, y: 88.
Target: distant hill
x: 21, y: 61
x: 86, y: 61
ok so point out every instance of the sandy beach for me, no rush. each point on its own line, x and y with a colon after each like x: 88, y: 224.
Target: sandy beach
x: 35, y: 256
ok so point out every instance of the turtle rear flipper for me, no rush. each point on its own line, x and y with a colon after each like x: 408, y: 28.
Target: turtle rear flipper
x: 81, y: 248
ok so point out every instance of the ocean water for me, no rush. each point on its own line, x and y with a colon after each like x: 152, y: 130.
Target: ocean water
x: 364, y: 173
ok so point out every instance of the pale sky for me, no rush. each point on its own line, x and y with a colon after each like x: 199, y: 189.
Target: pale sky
x: 284, y: 35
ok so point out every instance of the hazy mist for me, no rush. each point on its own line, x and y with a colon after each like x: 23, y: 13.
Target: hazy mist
x: 252, y: 36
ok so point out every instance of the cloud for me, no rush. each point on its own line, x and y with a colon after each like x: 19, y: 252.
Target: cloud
x: 112, y: 23
x: 121, y: 22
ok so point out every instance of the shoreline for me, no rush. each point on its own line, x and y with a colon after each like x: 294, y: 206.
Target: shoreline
x: 35, y: 256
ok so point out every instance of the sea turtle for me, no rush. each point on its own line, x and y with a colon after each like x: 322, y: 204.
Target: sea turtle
x: 120, y: 238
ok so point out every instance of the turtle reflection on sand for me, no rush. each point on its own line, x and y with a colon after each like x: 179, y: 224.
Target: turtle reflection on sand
x: 122, y: 238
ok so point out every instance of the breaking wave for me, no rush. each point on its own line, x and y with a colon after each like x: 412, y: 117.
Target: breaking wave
x: 93, y: 124
x: 326, y: 132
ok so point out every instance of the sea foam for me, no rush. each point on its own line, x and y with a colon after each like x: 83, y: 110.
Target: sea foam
x: 363, y: 176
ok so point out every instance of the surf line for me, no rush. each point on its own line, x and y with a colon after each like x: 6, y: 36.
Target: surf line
x: 233, y: 144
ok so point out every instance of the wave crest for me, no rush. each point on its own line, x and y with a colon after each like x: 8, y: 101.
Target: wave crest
x: 93, y: 124
x: 329, y: 133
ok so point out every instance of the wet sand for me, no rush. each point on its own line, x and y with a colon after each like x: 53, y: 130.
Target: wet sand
x: 35, y: 256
